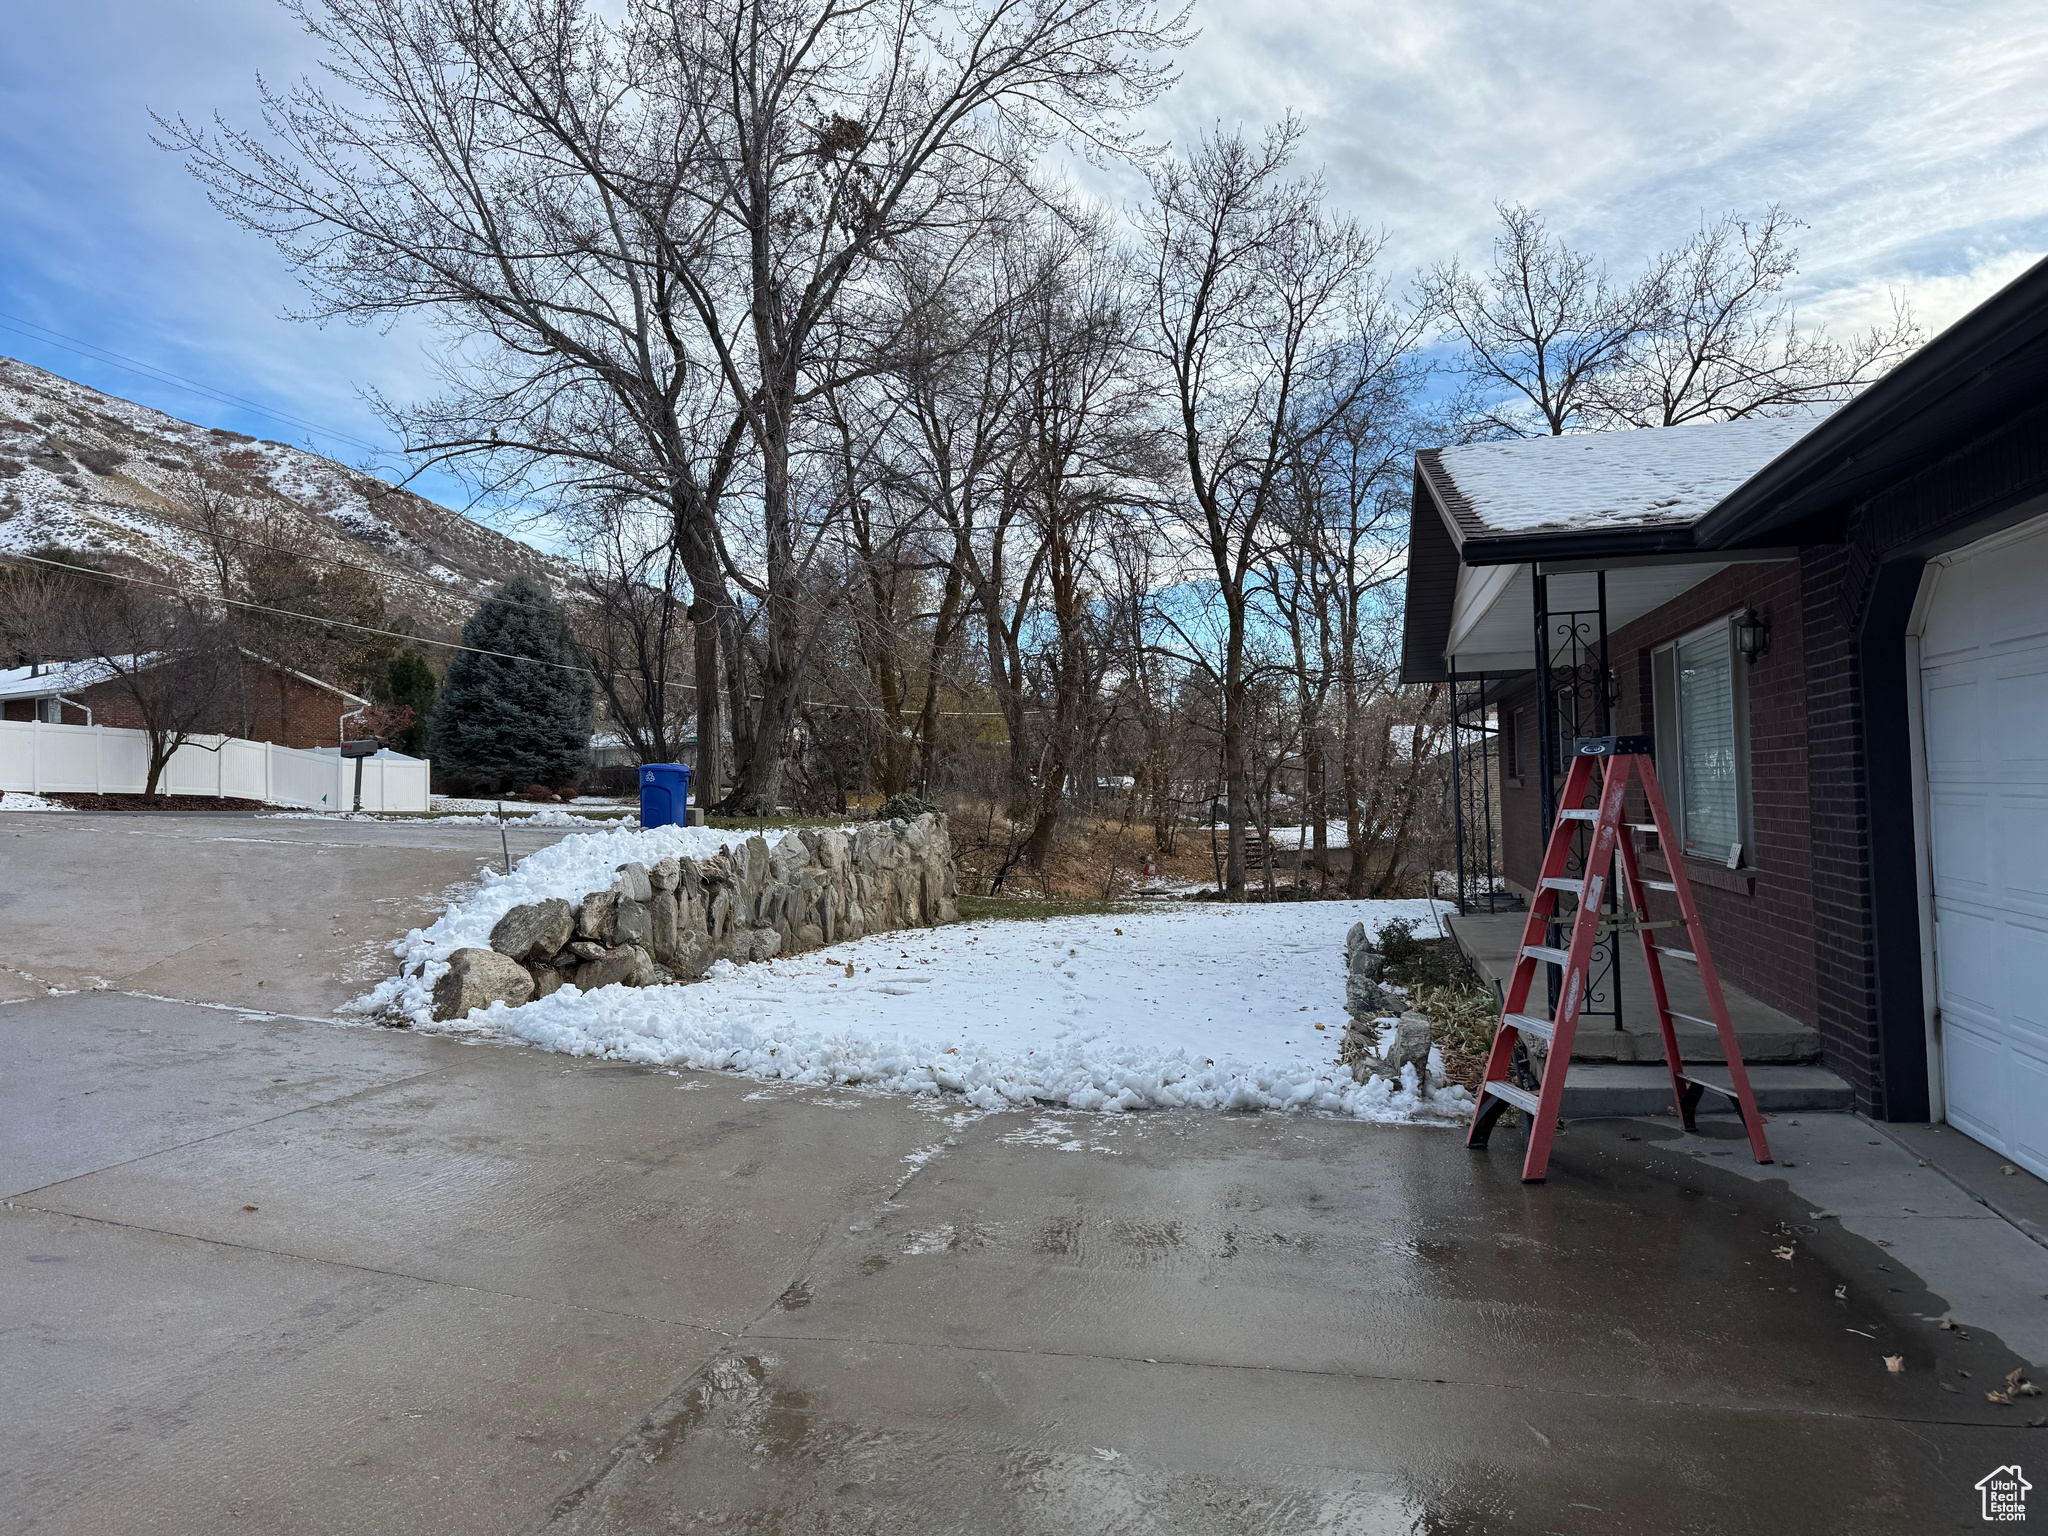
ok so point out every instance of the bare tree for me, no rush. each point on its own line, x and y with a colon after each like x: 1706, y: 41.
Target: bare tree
x: 1726, y: 343
x: 175, y: 664
x: 511, y: 171
x: 1543, y: 323
x: 834, y: 131
x: 632, y: 632
x: 1270, y: 322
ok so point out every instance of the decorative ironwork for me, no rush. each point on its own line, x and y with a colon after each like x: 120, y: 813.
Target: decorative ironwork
x: 1475, y: 796
x: 1577, y: 699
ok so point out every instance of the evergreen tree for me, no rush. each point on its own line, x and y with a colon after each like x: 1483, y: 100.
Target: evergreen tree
x: 408, y: 683
x: 502, y: 724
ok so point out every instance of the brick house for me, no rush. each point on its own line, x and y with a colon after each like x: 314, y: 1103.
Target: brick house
x: 266, y: 701
x: 1835, y: 630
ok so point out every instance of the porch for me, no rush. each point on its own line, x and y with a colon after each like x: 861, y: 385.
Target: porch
x: 1767, y: 1036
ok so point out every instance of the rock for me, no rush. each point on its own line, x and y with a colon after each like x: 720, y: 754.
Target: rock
x: 632, y: 923
x: 693, y: 955
x: 594, y: 917
x: 624, y: 964
x: 582, y: 949
x: 763, y: 943
x: 666, y: 874
x: 661, y: 925
x: 546, y: 980
x: 534, y: 931
x: 634, y: 884
x: 1409, y: 1046
x: 477, y: 978
x: 1365, y: 998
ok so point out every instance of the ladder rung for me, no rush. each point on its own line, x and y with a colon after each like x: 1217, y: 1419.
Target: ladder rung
x: 1508, y: 1093
x: 1529, y: 1024
x: 1545, y: 952
x: 1581, y: 815
x: 1562, y: 883
x: 1677, y: 954
x: 1640, y: 826
x: 1700, y: 1082
x: 1660, y: 885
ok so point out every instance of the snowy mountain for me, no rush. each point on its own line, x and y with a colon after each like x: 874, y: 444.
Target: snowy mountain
x: 114, y: 479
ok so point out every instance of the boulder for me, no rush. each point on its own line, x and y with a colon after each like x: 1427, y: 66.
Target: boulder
x: 666, y: 874
x: 661, y: 925
x: 477, y: 978
x: 634, y: 884
x: 631, y: 923
x: 546, y: 980
x: 1409, y: 1046
x: 810, y: 936
x: 582, y: 949
x: 627, y: 964
x: 594, y: 917
x: 535, y: 931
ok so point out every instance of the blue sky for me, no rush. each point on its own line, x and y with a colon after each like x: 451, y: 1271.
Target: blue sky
x: 1911, y: 137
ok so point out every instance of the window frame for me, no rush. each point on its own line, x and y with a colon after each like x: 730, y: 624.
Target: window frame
x: 1670, y: 748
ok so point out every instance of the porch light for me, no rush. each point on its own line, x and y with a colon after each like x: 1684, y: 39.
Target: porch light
x: 1752, y: 635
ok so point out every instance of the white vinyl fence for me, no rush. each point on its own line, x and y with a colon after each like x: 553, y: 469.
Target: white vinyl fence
x: 107, y: 760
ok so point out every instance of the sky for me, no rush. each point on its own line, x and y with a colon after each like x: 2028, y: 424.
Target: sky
x: 1910, y: 136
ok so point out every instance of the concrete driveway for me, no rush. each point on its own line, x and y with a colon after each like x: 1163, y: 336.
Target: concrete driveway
x: 274, y: 1274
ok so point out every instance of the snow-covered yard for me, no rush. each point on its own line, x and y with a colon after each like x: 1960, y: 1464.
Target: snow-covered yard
x: 1194, y: 1005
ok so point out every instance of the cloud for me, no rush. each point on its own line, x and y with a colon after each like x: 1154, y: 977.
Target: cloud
x: 1908, y: 134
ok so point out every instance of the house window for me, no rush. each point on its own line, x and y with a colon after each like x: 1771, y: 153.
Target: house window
x: 1703, y: 743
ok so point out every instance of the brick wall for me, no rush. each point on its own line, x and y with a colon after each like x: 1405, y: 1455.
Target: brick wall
x: 1760, y: 918
x: 268, y: 704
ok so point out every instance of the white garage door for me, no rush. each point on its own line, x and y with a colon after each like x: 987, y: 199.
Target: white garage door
x: 1984, y: 708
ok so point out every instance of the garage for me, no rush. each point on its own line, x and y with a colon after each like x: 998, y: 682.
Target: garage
x: 1983, y: 656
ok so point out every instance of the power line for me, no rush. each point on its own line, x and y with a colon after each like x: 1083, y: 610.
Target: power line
x: 99, y: 354
x: 446, y: 645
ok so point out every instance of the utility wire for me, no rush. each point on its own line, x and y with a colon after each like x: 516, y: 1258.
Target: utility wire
x: 42, y: 333
x: 446, y: 645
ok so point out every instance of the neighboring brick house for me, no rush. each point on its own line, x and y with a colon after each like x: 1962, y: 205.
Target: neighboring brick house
x: 266, y: 701
x: 1836, y: 632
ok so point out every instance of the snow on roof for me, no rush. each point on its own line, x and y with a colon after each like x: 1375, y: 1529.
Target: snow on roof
x: 53, y: 678
x: 1648, y: 477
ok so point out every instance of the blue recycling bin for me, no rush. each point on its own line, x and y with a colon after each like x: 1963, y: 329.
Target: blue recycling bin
x: 664, y: 794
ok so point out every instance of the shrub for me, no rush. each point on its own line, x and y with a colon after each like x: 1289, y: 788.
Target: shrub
x: 904, y: 807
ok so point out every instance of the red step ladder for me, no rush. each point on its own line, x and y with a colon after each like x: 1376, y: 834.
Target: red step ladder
x: 1619, y: 757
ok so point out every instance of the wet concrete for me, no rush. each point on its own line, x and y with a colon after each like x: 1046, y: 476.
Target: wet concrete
x: 258, y: 912
x: 259, y: 1274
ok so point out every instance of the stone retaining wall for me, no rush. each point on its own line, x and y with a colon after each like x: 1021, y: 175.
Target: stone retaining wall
x: 746, y: 902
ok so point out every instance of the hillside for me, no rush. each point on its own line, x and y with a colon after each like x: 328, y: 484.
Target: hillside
x: 104, y: 475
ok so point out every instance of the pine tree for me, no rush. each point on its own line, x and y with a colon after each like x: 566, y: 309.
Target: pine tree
x: 502, y: 724
x: 408, y: 683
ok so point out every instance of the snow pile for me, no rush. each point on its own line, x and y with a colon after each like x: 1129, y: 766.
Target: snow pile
x: 1198, y: 1006
x: 13, y: 800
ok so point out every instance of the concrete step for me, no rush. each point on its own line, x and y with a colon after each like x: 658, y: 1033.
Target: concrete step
x: 1596, y: 1041
x: 1600, y: 1089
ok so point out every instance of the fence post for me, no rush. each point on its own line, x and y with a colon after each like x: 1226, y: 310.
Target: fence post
x: 269, y: 785
x: 35, y: 753
x: 99, y: 760
x: 220, y: 767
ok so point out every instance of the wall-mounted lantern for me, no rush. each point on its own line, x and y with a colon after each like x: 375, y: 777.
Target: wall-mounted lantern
x: 1752, y: 635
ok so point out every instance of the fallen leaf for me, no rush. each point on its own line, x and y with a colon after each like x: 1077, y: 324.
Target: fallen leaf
x: 1999, y: 1397
x: 1783, y: 1253
x: 2008, y: 1168
x: 1120, y: 932
x: 248, y: 1207
x: 1841, y: 1293
x: 1322, y: 1026
x: 1883, y: 1242
x: 1896, y: 1364
x: 849, y: 967
x: 1947, y: 1388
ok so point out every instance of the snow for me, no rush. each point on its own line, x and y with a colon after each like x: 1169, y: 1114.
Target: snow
x: 14, y: 800
x: 1650, y: 476
x: 1198, y: 1006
